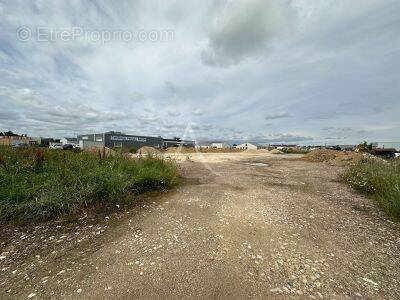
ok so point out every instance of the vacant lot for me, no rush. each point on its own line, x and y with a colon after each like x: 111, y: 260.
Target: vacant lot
x: 243, y: 225
x: 40, y: 184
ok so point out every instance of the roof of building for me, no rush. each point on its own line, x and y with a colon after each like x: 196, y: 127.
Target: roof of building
x: 251, y: 143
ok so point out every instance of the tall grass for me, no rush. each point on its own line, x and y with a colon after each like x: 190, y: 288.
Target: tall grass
x: 380, y: 180
x: 44, y: 184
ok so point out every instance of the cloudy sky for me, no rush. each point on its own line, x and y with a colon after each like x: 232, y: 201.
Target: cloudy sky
x: 304, y: 71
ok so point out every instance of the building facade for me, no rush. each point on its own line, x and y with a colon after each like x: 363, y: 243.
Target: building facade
x: 69, y: 141
x: 15, y: 140
x: 219, y: 145
x: 246, y: 146
x: 114, y: 139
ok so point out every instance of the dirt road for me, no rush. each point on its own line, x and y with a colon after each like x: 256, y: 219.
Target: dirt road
x: 236, y: 229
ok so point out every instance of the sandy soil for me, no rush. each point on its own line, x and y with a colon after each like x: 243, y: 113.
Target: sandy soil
x: 243, y: 225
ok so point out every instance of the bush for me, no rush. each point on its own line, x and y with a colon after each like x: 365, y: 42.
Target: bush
x: 294, y: 150
x: 44, y: 184
x: 380, y: 180
x: 133, y: 150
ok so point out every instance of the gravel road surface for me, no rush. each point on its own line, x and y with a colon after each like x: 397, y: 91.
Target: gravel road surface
x: 241, y: 226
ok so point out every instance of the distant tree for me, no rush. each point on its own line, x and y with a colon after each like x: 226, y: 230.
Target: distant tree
x: 363, y: 147
x: 10, y: 133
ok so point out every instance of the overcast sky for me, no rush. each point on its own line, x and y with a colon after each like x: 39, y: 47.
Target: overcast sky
x: 303, y: 71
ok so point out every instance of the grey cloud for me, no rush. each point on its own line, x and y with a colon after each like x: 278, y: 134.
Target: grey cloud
x: 279, y: 115
x: 198, y: 112
x: 149, y: 119
x: 170, y: 87
x: 6, y: 114
x: 173, y: 113
x: 345, y: 132
x: 286, y: 137
x: 136, y: 97
x: 245, y: 28
x: 35, y: 107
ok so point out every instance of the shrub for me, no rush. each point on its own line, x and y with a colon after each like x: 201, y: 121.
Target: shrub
x: 294, y: 150
x: 44, y: 184
x: 380, y: 180
x: 133, y: 150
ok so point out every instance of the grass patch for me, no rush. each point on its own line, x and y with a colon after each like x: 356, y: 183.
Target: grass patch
x: 40, y: 184
x: 380, y: 180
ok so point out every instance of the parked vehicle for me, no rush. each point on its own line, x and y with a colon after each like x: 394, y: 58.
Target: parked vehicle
x: 56, y: 146
x: 20, y: 145
x: 67, y: 147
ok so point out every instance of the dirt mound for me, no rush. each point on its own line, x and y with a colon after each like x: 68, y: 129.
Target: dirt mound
x: 250, y: 151
x: 262, y: 151
x: 333, y: 157
x: 179, y: 150
x: 256, y: 151
x: 202, y: 150
x: 148, y: 151
x: 275, y: 151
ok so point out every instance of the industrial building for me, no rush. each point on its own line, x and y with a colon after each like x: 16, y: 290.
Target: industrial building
x: 177, y: 142
x: 113, y: 139
x: 213, y: 144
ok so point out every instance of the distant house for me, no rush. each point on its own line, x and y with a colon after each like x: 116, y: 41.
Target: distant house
x: 213, y: 144
x: 282, y: 146
x: 203, y: 145
x: 12, y: 140
x: 219, y: 145
x: 247, y: 145
x: 69, y: 141
x: 347, y: 147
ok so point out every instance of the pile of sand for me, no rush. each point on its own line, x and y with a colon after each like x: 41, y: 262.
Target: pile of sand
x: 251, y: 151
x: 333, y: 157
x: 275, y: 151
x: 149, y: 151
x: 180, y: 150
x: 262, y: 151
x: 202, y: 150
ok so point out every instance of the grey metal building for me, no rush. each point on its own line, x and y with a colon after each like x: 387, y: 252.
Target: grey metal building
x: 113, y: 139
